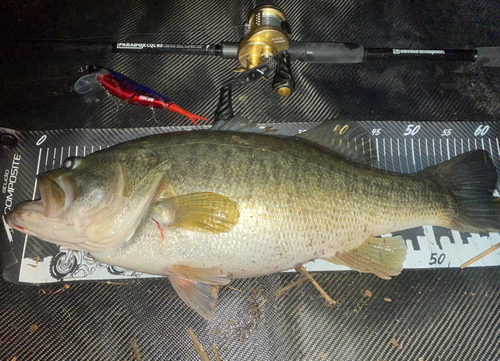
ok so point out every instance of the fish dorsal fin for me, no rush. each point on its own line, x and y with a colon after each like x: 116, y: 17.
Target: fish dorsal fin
x: 241, y: 124
x: 345, y: 137
x: 383, y: 257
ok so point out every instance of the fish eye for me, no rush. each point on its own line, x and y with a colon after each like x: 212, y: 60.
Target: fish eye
x: 72, y: 162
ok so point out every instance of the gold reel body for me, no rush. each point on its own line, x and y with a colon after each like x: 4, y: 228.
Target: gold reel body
x: 266, y: 36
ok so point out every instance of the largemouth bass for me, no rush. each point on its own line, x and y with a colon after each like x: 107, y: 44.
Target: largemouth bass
x: 203, y: 207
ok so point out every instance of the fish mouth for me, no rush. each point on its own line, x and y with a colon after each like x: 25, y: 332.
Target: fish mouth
x: 19, y: 218
x: 53, y: 197
x: 9, y: 220
x: 46, y: 217
x: 56, y: 194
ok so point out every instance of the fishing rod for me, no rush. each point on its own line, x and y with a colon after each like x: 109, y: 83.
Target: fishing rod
x: 266, y: 48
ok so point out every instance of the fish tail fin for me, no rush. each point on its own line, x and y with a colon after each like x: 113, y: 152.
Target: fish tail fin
x: 471, y: 179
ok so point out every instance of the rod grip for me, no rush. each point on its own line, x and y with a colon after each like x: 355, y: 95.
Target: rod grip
x: 338, y: 53
x: 488, y: 56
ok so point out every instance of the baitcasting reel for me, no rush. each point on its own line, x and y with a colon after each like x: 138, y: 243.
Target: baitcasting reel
x: 266, y: 35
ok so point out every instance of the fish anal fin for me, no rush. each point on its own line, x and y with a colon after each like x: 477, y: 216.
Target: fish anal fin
x: 197, y: 287
x: 200, y: 296
x: 201, y: 212
x: 383, y: 256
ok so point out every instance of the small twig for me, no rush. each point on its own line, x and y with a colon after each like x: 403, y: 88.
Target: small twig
x: 66, y: 287
x: 234, y: 289
x: 285, y: 289
x: 137, y: 354
x: 198, y: 347
x: 216, y: 352
x: 66, y: 311
x: 303, y: 271
x: 253, y: 309
x: 480, y: 255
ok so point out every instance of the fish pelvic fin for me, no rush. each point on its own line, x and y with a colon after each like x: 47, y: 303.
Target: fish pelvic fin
x: 197, y: 287
x: 382, y: 256
x: 201, y: 212
x: 470, y: 178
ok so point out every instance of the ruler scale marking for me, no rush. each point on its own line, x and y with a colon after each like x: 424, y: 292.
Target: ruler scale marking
x: 399, y: 157
x: 434, y: 151
x: 448, y: 148
x: 392, y: 156
x: 54, y: 159
x: 385, y: 156
x: 413, y: 155
x: 46, y: 160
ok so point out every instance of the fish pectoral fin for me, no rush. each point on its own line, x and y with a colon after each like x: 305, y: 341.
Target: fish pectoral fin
x: 201, y: 212
x: 198, y: 295
x: 382, y: 256
x: 198, y: 287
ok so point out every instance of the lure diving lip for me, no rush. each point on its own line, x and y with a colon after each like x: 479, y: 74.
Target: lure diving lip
x: 126, y: 89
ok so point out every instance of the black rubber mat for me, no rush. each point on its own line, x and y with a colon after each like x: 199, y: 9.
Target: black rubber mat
x: 419, y: 315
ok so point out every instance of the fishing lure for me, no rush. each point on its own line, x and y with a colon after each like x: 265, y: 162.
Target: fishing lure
x: 130, y: 91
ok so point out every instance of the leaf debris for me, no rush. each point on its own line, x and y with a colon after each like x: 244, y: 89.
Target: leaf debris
x: 368, y: 293
x: 387, y: 299
x: 395, y: 342
x: 33, y: 328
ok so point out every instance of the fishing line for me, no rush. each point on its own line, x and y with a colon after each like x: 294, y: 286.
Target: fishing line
x: 204, y: 30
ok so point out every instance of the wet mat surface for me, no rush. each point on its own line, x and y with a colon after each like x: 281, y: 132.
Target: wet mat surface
x: 432, y: 314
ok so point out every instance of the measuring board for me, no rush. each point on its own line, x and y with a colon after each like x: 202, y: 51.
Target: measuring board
x: 401, y: 147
